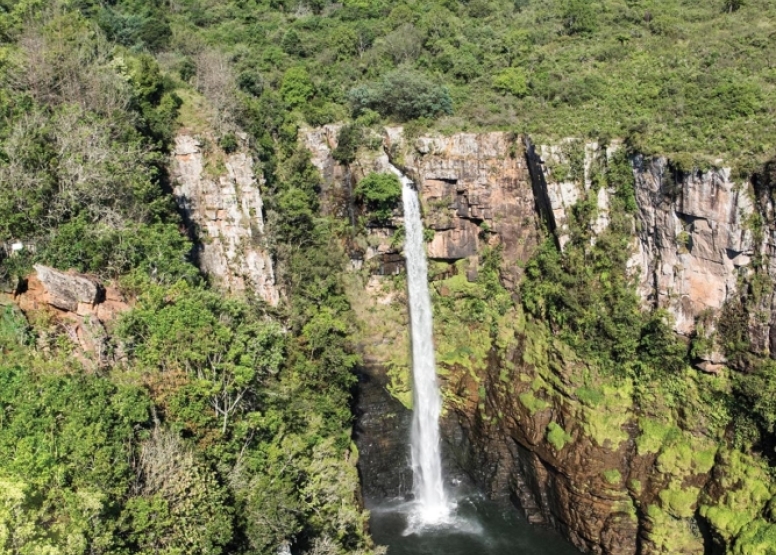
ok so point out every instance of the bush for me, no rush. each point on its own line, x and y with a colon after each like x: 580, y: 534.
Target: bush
x: 512, y: 81
x: 379, y: 192
x: 579, y: 17
x: 405, y: 94
x: 348, y: 141
x: 229, y: 143
x: 297, y: 87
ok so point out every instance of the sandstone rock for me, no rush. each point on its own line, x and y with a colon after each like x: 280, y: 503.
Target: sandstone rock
x: 80, y: 306
x: 693, y: 238
x: 227, y: 210
x: 66, y: 290
x: 709, y: 367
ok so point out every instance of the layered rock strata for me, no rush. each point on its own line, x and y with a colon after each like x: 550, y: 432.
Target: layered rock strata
x: 219, y: 195
x: 525, y: 422
x: 80, y: 306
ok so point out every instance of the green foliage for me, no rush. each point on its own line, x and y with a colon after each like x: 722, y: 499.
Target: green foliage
x: 379, y: 192
x: 585, y: 293
x: 349, y: 139
x: 229, y: 143
x: 297, y: 87
x: 227, y: 353
x: 404, y: 94
x: 67, y: 444
x: 136, y: 25
x: 158, y: 251
x: 579, y: 17
x: 14, y: 329
x: 511, y: 80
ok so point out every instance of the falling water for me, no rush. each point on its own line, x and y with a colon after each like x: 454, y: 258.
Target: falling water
x: 430, y: 498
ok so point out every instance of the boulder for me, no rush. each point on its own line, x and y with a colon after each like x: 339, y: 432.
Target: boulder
x: 66, y: 290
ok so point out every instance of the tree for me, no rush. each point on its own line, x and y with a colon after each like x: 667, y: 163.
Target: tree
x: 297, y: 87
x: 215, y: 79
x: 579, y: 17
x: 181, y: 506
x: 379, y: 192
x: 403, y: 93
x: 227, y: 353
x: 511, y: 80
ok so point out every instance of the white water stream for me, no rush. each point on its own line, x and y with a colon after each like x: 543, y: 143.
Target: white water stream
x: 432, y: 506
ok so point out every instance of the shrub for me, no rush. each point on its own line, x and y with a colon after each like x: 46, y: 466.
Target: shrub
x: 297, y: 87
x: 579, y: 17
x: 405, y: 94
x: 379, y: 192
x: 229, y: 143
x: 348, y: 140
x: 512, y: 81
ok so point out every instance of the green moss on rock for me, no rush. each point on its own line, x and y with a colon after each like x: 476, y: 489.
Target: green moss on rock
x: 533, y: 404
x: 679, y: 501
x: 612, y: 476
x: 557, y: 436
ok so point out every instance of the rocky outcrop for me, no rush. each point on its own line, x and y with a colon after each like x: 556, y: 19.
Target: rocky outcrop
x: 475, y: 190
x: 693, y: 239
x: 531, y: 422
x: 220, y: 197
x: 78, y: 305
x: 67, y: 290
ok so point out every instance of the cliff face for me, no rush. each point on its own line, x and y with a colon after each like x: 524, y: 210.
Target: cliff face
x: 527, y: 419
x: 80, y: 306
x: 219, y: 195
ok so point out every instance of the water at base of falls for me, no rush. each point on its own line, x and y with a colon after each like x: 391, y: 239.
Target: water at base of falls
x: 475, y: 526
x: 431, y: 506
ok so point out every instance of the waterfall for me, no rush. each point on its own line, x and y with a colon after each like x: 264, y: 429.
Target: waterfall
x: 430, y: 498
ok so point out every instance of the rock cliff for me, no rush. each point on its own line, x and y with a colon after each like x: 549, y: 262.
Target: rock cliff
x: 526, y: 418
x: 77, y: 305
x: 220, y: 197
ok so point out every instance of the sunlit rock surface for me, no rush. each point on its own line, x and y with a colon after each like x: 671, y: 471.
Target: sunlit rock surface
x: 527, y: 429
x: 220, y: 196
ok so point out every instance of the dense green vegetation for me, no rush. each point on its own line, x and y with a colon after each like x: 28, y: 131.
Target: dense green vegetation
x: 225, y: 425
x: 586, y: 295
x: 674, y: 76
x: 380, y: 193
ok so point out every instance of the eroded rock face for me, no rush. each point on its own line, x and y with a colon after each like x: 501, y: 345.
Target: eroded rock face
x: 693, y: 239
x: 66, y: 290
x: 81, y: 306
x: 227, y: 212
x: 522, y: 429
x: 476, y: 192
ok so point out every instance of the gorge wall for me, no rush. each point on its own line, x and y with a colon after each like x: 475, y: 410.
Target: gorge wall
x: 219, y: 196
x: 525, y: 416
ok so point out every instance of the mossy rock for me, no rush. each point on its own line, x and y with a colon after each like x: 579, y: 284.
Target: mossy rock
x: 747, y: 488
x: 612, y: 476
x: 672, y: 535
x: 532, y: 403
x: 557, y: 436
x: 759, y: 538
x: 679, y: 501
